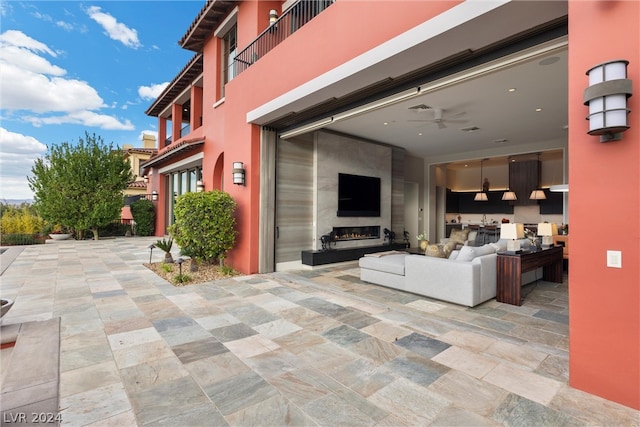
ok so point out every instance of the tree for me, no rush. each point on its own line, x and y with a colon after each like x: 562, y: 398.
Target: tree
x: 80, y: 186
x: 205, y: 224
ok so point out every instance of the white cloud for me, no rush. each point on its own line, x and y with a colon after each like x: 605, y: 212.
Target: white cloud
x: 17, y: 154
x: 64, y: 25
x: 19, y: 39
x: 87, y: 118
x: 151, y: 92
x: 114, y: 29
x: 30, y: 82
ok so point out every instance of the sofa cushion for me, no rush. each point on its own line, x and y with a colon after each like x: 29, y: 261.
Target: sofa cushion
x: 485, y: 250
x: 389, y: 263
x: 467, y: 253
x: 459, y: 235
x: 448, y: 248
x: 435, y: 251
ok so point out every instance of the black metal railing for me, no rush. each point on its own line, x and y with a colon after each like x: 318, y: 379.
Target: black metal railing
x: 287, y: 24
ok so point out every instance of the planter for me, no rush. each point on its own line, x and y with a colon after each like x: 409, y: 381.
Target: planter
x: 60, y: 236
x: 6, y: 305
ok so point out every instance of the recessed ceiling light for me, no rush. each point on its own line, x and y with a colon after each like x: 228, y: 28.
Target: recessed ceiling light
x: 549, y: 61
x: 512, y: 89
x: 470, y: 129
x: 385, y: 123
x: 538, y: 109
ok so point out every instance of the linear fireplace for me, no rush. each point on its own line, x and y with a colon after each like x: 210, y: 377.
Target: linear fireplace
x: 356, y: 233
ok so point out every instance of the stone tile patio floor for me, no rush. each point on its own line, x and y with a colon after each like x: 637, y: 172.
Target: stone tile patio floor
x: 312, y: 347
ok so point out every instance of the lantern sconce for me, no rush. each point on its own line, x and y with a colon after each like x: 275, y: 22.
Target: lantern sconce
x: 238, y: 173
x: 607, y: 96
x: 199, y: 186
x: 273, y: 16
x: 154, y: 196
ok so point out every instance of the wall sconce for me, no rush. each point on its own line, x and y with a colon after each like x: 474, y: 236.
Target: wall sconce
x: 607, y: 96
x: 199, y: 186
x: 238, y: 173
x: 175, y: 196
x: 273, y: 16
x: 154, y: 196
x: 145, y: 179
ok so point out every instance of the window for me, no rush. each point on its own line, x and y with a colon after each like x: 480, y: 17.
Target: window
x: 229, y: 51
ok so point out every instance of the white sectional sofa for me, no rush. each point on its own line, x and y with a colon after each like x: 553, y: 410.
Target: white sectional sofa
x: 467, y: 277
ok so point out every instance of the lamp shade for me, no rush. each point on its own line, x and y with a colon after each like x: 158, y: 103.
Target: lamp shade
x: 481, y: 197
x: 547, y: 229
x: 509, y: 195
x: 537, y: 195
x: 511, y: 231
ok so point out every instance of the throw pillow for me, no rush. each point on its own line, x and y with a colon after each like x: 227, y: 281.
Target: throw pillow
x: 485, y: 250
x: 454, y: 255
x: 448, y: 248
x: 459, y: 236
x: 435, y: 251
x: 467, y: 253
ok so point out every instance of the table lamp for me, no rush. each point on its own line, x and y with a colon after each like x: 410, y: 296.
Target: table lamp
x: 547, y: 231
x: 511, y: 232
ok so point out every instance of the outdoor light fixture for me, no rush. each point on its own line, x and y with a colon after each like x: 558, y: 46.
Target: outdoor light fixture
x: 547, y: 231
x: 199, y: 186
x: 512, y: 232
x: 151, y: 247
x: 607, y: 96
x: 179, y: 261
x: 273, y: 16
x: 175, y: 195
x: 145, y: 179
x: 238, y: 173
x: 154, y: 195
x: 481, y: 196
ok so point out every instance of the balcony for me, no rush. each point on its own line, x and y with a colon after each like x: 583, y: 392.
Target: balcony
x: 287, y: 24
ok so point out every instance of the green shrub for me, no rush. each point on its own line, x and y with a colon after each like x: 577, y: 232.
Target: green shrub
x: 182, y: 278
x: 145, y: 217
x: 167, y: 268
x: 20, y: 239
x: 205, y: 224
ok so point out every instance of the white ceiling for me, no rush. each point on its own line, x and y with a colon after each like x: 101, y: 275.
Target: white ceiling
x: 506, y: 121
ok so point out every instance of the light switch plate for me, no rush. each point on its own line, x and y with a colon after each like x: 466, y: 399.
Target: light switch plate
x: 614, y: 259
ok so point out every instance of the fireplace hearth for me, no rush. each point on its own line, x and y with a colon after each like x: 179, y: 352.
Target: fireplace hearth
x: 356, y: 233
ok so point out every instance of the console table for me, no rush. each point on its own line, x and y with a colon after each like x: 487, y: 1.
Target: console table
x: 511, y: 266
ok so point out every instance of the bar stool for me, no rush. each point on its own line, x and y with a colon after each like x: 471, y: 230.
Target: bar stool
x: 491, y: 234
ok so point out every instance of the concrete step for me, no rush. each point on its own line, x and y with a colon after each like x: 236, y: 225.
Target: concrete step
x: 31, y: 381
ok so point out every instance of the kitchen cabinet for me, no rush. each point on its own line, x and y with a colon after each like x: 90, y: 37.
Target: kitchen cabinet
x: 467, y: 204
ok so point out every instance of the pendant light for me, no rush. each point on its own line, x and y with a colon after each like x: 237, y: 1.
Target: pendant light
x: 538, y: 193
x: 509, y: 195
x: 481, y: 196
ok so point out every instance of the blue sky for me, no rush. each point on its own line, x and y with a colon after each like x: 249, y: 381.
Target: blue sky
x: 67, y: 67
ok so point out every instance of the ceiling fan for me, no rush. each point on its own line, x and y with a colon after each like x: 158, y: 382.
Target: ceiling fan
x: 438, y: 116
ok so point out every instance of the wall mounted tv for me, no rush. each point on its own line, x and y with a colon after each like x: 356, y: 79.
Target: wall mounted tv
x: 358, y: 195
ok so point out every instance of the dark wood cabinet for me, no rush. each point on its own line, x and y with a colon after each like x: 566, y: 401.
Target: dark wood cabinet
x: 467, y: 204
x: 553, y: 204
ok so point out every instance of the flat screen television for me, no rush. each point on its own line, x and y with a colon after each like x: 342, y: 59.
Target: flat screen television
x: 358, y: 195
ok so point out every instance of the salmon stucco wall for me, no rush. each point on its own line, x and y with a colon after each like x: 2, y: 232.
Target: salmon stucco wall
x: 604, y: 201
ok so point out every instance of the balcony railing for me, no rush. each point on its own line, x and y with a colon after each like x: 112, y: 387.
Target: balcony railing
x: 287, y: 24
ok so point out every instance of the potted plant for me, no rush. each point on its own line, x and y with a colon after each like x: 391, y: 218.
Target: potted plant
x: 165, y: 245
x: 423, y: 242
x: 60, y: 232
